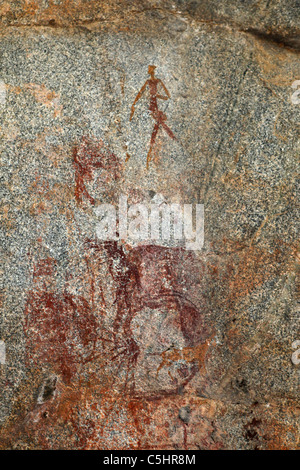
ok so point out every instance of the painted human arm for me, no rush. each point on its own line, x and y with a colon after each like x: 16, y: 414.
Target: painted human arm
x: 165, y: 90
x: 138, y: 96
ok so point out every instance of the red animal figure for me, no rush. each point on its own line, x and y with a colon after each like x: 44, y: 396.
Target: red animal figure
x: 151, y: 278
x: 157, y: 115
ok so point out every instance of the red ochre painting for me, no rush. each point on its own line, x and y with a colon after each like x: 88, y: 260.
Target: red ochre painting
x: 122, y: 343
x: 96, y: 362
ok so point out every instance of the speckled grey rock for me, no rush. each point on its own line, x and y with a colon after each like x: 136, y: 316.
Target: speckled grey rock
x: 217, y: 357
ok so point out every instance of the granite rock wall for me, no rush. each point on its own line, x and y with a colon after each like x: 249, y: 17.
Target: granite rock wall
x: 144, y: 344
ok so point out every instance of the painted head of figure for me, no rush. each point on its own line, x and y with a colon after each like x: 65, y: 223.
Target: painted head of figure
x: 151, y: 70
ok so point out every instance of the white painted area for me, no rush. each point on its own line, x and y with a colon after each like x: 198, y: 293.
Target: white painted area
x: 2, y: 92
x: 2, y: 352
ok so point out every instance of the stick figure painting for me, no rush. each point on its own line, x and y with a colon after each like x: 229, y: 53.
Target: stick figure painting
x: 159, y: 116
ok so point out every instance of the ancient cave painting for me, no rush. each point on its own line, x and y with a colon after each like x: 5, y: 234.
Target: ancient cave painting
x: 147, y: 283
x: 60, y: 329
x: 157, y: 286
x: 151, y: 285
x: 158, y: 115
x: 137, y: 327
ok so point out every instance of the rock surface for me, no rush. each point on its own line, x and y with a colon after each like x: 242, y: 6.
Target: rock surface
x: 138, y: 345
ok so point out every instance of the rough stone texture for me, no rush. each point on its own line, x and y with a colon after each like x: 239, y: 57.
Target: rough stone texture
x: 121, y: 345
x: 276, y: 20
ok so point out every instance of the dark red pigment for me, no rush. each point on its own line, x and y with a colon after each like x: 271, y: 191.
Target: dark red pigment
x: 153, y: 277
x: 60, y: 328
